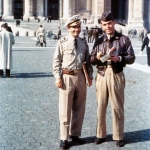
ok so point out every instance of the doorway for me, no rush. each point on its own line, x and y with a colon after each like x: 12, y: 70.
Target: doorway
x: 118, y: 9
x: 53, y: 9
x: 18, y: 9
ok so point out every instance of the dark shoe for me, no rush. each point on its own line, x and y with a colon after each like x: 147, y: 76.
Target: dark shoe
x: 99, y: 140
x: 120, y: 143
x: 76, y: 139
x: 64, y: 144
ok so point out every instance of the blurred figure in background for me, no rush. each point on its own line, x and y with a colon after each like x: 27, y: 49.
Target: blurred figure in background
x: 146, y: 43
x: 6, y: 42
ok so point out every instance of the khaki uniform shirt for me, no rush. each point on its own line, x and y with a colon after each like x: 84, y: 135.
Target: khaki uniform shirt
x: 40, y: 31
x: 67, y: 57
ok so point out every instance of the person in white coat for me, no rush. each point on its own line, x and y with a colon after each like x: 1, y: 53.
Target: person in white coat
x: 6, y: 42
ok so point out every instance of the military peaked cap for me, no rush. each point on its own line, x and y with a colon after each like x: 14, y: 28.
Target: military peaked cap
x: 107, y: 16
x: 74, y: 20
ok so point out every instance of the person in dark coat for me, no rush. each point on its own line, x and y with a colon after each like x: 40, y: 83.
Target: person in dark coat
x: 146, y: 42
x: 49, y: 18
x: 59, y: 33
x: 90, y: 32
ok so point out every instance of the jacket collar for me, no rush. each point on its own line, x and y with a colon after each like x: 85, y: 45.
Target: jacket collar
x: 116, y: 36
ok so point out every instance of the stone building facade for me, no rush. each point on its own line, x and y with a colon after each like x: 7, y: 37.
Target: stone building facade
x: 135, y: 13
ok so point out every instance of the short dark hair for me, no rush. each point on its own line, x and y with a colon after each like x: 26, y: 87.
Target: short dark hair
x: 4, y: 26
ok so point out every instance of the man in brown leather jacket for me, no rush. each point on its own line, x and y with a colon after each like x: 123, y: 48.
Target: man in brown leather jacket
x: 111, y: 52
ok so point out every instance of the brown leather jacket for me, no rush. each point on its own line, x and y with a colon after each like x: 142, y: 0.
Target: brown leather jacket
x: 123, y: 49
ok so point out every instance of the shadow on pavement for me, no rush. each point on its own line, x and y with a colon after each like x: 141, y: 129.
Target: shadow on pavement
x: 129, y: 137
x: 32, y: 75
x: 137, y: 136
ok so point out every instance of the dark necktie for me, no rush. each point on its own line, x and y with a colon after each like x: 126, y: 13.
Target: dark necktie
x: 75, y: 43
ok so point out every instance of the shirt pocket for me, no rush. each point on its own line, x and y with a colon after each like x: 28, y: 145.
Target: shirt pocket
x: 82, y: 55
x: 68, y: 55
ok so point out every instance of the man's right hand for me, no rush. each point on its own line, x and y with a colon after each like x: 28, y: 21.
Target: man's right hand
x: 98, y: 56
x: 58, y: 83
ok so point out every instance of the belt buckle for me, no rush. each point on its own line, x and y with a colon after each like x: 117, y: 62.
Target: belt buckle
x: 75, y: 71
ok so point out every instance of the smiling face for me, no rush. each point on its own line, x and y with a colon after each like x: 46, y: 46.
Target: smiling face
x: 75, y: 30
x: 108, y: 27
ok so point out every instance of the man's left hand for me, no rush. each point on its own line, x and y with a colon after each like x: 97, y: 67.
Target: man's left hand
x: 114, y: 58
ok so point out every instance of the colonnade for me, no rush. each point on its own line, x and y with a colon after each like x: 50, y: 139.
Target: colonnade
x: 92, y: 9
x: 31, y: 7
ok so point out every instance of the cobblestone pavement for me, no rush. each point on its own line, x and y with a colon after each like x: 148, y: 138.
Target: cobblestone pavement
x: 29, y: 104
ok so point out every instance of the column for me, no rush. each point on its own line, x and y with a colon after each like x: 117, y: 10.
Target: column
x: 77, y: 6
x: 8, y: 11
x: 40, y: 8
x: 60, y: 8
x: 46, y: 4
x: 1, y: 7
x: 138, y: 14
x: 28, y: 9
x: 130, y: 12
x: 88, y: 5
x: 73, y: 6
x: 99, y: 7
x: 88, y: 11
x: 67, y: 8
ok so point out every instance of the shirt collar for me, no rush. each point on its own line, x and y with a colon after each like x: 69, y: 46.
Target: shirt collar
x: 116, y: 36
x: 71, y: 38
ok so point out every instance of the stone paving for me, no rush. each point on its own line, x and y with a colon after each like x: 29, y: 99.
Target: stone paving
x: 29, y: 104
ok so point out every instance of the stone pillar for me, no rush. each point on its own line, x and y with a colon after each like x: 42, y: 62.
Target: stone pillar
x: 46, y: 4
x: 1, y: 7
x: 77, y: 6
x: 40, y: 8
x: 28, y: 10
x: 88, y: 11
x: 73, y: 6
x: 67, y: 9
x: 138, y: 19
x: 8, y: 11
x: 130, y: 12
x: 88, y: 5
x: 60, y: 8
x: 60, y: 12
x: 98, y: 7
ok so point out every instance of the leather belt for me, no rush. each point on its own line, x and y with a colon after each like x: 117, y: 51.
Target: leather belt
x: 71, y: 72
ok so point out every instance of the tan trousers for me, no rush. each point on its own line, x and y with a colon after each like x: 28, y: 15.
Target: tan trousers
x: 72, y: 98
x: 110, y: 86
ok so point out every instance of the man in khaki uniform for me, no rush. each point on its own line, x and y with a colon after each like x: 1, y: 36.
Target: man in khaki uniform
x: 111, y: 52
x: 71, y: 52
x: 41, y: 32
